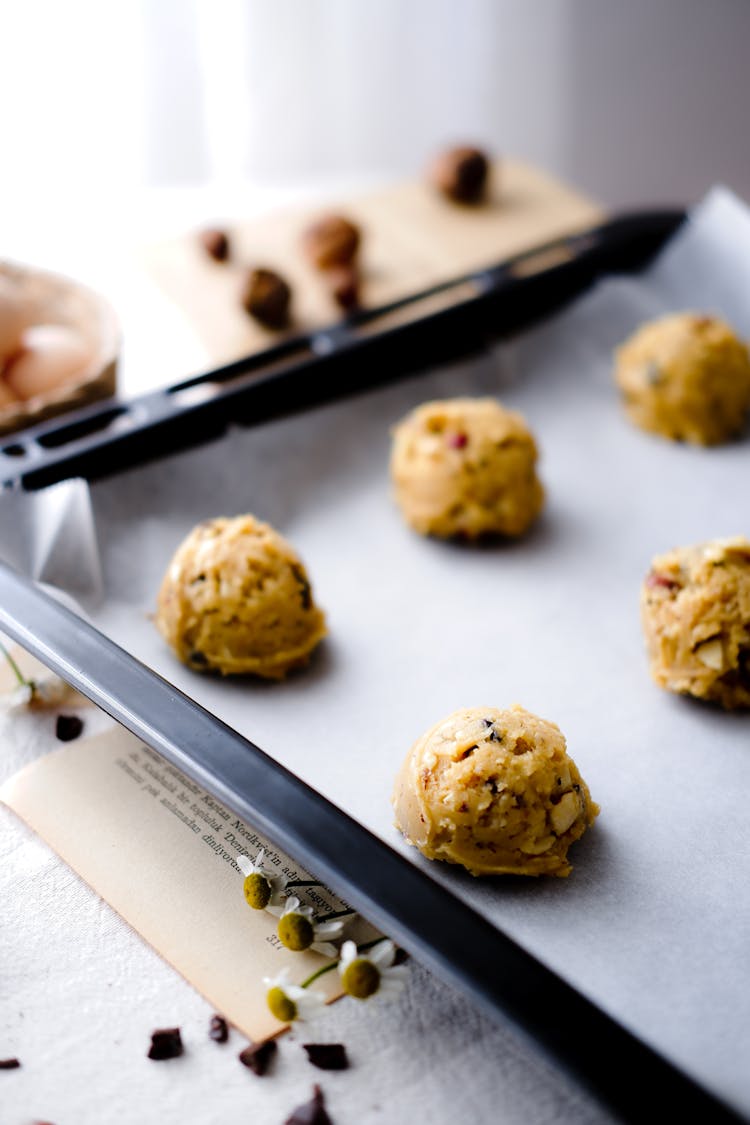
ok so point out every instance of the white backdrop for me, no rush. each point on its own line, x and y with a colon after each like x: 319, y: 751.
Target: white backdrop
x: 639, y: 102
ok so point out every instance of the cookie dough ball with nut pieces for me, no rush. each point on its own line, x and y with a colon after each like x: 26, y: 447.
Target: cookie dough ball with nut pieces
x: 466, y: 467
x: 494, y: 791
x: 686, y: 377
x: 695, y: 611
x: 236, y: 599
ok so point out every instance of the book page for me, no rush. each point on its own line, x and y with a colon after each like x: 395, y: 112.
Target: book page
x: 162, y: 851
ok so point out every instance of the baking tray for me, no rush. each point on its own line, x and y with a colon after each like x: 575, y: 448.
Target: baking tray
x: 400, y: 897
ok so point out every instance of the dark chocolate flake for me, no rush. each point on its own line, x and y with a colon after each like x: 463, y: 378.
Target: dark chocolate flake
x: 310, y: 1113
x: 68, y: 727
x: 218, y: 1029
x: 166, y: 1043
x: 327, y: 1056
x: 9, y: 1064
x: 259, y: 1056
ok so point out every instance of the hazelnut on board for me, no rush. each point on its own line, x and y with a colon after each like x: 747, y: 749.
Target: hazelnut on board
x: 215, y: 242
x: 343, y: 285
x: 266, y: 297
x: 331, y: 241
x: 460, y: 173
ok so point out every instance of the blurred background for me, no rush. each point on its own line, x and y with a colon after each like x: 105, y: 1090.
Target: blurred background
x: 128, y: 121
x: 632, y: 102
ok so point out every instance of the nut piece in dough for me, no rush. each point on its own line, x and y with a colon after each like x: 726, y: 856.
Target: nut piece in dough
x: 466, y: 467
x: 494, y: 791
x: 686, y: 377
x: 236, y: 599
x: 695, y: 611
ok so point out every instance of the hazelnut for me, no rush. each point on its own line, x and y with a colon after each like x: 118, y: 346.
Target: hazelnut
x: 460, y: 173
x: 266, y: 296
x: 331, y: 241
x: 215, y: 242
x: 343, y: 285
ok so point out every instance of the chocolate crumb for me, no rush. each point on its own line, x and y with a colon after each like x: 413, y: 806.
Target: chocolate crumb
x: 166, y: 1043
x: 218, y: 1030
x: 68, y: 727
x: 310, y: 1113
x: 9, y: 1064
x: 258, y: 1056
x: 216, y: 243
x: 327, y: 1056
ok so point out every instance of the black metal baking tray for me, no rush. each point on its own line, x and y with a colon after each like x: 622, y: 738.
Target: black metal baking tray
x: 394, y: 894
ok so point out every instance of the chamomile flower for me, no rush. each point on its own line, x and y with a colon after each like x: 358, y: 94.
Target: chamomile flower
x: 263, y: 889
x: 298, y: 929
x: 290, y: 1002
x: 364, y: 975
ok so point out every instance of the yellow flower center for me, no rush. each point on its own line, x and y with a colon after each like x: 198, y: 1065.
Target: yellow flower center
x: 296, y: 931
x: 361, y: 979
x: 280, y: 1005
x: 257, y: 891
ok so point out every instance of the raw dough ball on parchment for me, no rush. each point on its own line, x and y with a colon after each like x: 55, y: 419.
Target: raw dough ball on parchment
x: 695, y: 610
x: 466, y: 467
x: 494, y: 791
x: 236, y: 599
x: 687, y: 377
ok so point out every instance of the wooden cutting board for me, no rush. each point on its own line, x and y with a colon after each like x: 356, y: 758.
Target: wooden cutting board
x: 412, y: 239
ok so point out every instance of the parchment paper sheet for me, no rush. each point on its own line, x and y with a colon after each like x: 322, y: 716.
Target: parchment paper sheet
x: 654, y: 922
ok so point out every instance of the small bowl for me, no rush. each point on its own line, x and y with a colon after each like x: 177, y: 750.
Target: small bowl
x: 56, y: 299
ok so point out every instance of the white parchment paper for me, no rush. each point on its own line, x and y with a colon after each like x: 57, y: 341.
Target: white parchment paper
x: 654, y: 922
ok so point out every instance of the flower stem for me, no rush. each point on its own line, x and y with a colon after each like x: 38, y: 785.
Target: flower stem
x: 303, y: 883
x: 318, y: 973
x: 336, y: 914
x: 22, y: 681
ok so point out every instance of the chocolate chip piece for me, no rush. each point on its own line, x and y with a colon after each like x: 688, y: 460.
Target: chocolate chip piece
x: 166, y: 1043
x: 218, y: 1029
x: 327, y: 1056
x: 310, y: 1113
x: 68, y: 727
x: 266, y: 297
x: 9, y: 1064
x: 216, y: 243
x: 258, y: 1056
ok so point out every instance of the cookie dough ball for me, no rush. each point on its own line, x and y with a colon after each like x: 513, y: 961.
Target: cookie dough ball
x: 695, y: 610
x: 494, y: 791
x: 686, y: 377
x: 466, y: 467
x: 236, y: 599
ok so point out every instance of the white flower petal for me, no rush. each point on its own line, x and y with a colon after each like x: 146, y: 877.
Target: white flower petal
x: 278, y: 981
x: 328, y: 929
x: 292, y: 905
x: 324, y: 947
x: 19, y: 697
x: 348, y: 954
x: 383, y: 953
x: 245, y: 865
x: 276, y: 909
